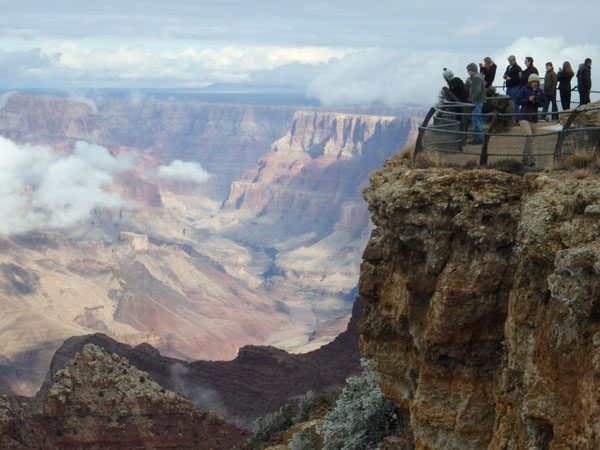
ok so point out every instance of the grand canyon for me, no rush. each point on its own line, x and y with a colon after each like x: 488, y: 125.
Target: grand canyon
x: 264, y: 248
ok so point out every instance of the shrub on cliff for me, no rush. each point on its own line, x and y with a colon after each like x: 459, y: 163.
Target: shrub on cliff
x: 269, y: 425
x: 362, y: 417
x: 306, y: 440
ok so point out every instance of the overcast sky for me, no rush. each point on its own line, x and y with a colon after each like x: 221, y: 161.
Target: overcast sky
x: 337, y: 51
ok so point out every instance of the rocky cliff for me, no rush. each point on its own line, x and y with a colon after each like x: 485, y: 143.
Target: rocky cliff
x: 258, y: 381
x: 98, y: 400
x: 482, y: 311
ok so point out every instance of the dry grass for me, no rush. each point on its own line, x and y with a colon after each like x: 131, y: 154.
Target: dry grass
x: 577, y: 161
x: 408, y: 151
x: 580, y: 174
x: 508, y: 165
x: 426, y: 159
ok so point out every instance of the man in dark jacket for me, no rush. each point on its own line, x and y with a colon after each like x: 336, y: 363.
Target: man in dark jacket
x: 531, y: 97
x: 511, y: 76
x: 584, y: 81
x: 550, y: 90
x: 529, y: 69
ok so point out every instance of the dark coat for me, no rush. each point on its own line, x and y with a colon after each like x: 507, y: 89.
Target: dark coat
x: 564, y: 87
x: 513, y: 73
x: 457, y: 87
x: 527, y: 106
x: 550, y: 82
x: 564, y: 81
x: 584, y: 78
x: 525, y: 75
x: 488, y: 74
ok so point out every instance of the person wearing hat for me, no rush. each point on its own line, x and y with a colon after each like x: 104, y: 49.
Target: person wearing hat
x: 456, y: 86
x: 511, y: 76
x: 530, y: 98
x: 477, y: 97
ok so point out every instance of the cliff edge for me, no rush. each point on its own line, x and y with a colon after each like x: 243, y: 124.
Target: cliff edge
x: 483, y: 305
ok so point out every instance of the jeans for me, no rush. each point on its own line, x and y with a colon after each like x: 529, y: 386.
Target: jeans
x: 513, y: 93
x: 477, y: 121
x: 551, y: 98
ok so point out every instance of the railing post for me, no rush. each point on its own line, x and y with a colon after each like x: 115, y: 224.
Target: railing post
x: 562, y: 134
x: 464, y: 126
x: 419, y: 144
x: 483, y: 157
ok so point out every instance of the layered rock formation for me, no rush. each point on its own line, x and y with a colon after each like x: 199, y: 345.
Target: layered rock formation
x: 482, y: 291
x: 47, y: 120
x: 100, y: 401
x: 258, y: 381
x: 173, y: 268
x: 135, y: 289
x: 303, y: 201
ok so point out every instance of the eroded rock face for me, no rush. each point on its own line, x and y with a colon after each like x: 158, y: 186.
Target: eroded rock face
x: 482, y: 313
x: 100, y: 401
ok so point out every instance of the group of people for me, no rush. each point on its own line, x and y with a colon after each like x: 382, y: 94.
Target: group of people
x: 523, y: 87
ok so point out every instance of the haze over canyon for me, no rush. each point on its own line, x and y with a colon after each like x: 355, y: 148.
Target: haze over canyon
x: 195, y: 227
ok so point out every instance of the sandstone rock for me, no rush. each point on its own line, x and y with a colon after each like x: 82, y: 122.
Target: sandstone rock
x: 98, y: 401
x: 482, y: 291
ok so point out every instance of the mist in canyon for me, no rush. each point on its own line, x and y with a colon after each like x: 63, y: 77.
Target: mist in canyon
x: 195, y: 226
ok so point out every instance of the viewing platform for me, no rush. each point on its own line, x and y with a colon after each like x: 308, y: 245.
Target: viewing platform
x: 447, y: 128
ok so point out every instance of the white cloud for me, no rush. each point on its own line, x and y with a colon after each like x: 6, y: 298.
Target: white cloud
x: 78, y: 96
x: 543, y: 49
x: 4, y: 99
x: 395, y: 76
x: 183, y: 171
x: 386, y: 75
x: 41, y: 189
x: 73, y: 64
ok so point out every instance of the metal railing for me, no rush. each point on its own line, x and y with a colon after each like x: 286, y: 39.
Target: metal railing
x: 446, y: 130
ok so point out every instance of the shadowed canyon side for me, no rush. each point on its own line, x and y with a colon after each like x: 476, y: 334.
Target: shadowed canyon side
x: 482, y: 305
x: 258, y: 381
x: 98, y: 400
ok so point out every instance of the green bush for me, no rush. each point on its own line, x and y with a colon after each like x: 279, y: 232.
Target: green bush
x: 306, y: 440
x: 268, y: 426
x: 362, y: 416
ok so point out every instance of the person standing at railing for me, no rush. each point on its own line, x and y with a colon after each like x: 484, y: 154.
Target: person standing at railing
x: 529, y: 69
x: 488, y: 70
x: 531, y: 98
x: 456, y: 86
x: 511, y: 75
x: 584, y: 81
x: 550, y: 91
x: 478, y: 98
x: 564, y: 79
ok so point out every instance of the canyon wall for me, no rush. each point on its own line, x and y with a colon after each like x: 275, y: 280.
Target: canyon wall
x: 276, y: 265
x: 98, y: 400
x: 482, y: 293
